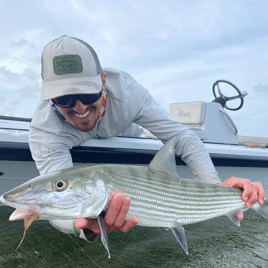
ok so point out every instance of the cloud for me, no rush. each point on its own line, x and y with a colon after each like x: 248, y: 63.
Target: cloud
x: 27, y: 74
x: 5, y: 72
x: 9, y: 108
x: 261, y: 88
x: 26, y: 84
x: 23, y: 42
x: 3, y: 99
x: 29, y: 90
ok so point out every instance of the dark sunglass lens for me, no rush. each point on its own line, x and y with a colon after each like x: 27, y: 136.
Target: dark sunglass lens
x: 89, y: 98
x: 64, y: 100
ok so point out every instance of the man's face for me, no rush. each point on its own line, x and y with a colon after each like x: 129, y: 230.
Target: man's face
x: 81, y: 116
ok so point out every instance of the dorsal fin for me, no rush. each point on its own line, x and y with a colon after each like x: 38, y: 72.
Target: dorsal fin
x: 164, y: 160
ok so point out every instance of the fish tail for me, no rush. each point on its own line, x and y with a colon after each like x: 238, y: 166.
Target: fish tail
x: 263, y: 209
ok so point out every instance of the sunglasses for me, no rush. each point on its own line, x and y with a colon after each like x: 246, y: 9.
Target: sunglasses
x: 69, y: 101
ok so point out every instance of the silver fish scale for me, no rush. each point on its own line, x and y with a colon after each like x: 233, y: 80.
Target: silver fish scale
x: 163, y: 200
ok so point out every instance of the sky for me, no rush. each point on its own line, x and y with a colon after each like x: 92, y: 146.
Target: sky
x: 176, y: 49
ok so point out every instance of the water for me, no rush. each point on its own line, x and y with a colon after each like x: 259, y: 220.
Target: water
x: 214, y: 243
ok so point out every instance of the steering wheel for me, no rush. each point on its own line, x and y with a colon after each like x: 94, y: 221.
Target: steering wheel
x: 223, y: 99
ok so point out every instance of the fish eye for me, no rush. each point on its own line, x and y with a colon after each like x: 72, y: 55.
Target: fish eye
x: 60, y: 185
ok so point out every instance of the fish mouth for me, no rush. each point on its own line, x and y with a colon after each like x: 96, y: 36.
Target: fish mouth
x: 21, y: 211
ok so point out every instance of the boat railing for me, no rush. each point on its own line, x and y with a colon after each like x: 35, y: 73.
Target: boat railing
x: 13, y: 118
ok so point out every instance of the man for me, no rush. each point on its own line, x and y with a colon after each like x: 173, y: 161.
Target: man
x: 80, y: 101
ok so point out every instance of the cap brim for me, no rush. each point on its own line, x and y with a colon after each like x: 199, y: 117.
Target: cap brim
x: 70, y: 86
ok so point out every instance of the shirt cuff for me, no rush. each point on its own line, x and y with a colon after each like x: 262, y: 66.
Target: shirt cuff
x: 88, y: 235
x: 68, y: 227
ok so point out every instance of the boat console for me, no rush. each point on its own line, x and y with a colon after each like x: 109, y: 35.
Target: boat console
x: 209, y: 120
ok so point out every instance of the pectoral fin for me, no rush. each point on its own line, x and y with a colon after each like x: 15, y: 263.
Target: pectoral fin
x: 233, y: 216
x: 179, y: 233
x: 234, y: 219
x: 104, y: 237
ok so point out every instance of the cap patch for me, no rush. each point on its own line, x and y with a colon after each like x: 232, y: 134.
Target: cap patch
x: 67, y: 64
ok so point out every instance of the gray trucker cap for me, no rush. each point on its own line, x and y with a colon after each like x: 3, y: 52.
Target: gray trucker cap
x: 69, y: 66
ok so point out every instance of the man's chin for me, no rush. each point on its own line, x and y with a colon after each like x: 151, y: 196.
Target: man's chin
x: 85, y: 127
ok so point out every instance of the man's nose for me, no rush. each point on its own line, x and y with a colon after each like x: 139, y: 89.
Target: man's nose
x: 80, y: 107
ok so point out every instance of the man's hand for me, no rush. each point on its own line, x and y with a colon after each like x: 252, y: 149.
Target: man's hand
x: 115, y: 218
x: 252, y: 192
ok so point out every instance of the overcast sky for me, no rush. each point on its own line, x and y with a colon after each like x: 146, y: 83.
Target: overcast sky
x: 177, y: 49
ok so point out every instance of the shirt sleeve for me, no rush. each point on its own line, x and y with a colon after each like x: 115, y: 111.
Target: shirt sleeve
x: 153, y: 117
x: 51, y: 153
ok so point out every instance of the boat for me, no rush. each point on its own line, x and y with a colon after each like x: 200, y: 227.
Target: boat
x: 232, y: 154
